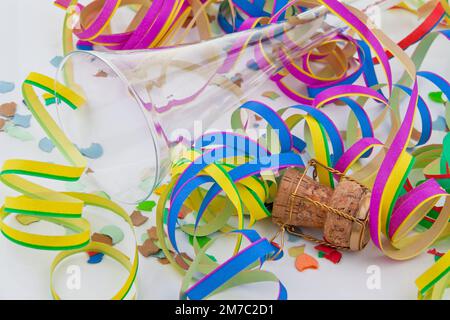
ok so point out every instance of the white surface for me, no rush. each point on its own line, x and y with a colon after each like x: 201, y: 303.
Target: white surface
x: 30, y: 34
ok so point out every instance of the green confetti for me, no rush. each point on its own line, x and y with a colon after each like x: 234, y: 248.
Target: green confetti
x: 146, y: 205
x: 212, y: 257
x: 436, y: 97
x: 114, y: 232
x: 18, y: 133
x: 202, y: 241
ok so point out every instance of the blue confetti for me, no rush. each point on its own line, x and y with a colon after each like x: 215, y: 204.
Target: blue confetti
x: 96, y: 258
x: 6, y: 86
x: 56, y: 61
x: 95, y: 151
x: 440, y: 124
x: 46, y: 145
x: 252, y: 65
x: 22, y: 121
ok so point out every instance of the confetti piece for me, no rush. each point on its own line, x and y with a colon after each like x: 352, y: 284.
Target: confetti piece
x: 437, y: 255
x: 436, y: 97
x: 182, y: 262
x: 252, y: 65
x: 158, y: 191
x: 324, y: 248
x: 328, y: 253
x: 8, y: 109
x: 184, y: 212
x: 26, y: 220
x: 46, y: 145
x: 334, y: 256
x: 146, y: 205
x: 137, y: 218
x: 148, y: 248
x: 97, y: 258
x: 152, y: 233
x: 163, y: 261
x: 22, y: 121
x: 103, y: 238
x: 18, y: 133
x: 237, y: 79
x: 2, y: 124
x: 92, y: 253
x: 6, y: 87
x: 296, y: 251
x: 212, y: 257
x: 271, y: 95
x: 159, y: 255
x: 305, y: 261
x: 95, y: 151
x: 101, y: 74
x: 114, y: 232
x: 440, y: 124
x: 56, y: 61
x: 202, y: 241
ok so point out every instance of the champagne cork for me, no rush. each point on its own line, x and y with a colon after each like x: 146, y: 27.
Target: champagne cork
x: 302, y: 202
x: 304, y: 213
x: 346, y: 198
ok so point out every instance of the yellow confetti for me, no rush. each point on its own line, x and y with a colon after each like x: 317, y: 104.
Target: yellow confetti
x: 296, y: 251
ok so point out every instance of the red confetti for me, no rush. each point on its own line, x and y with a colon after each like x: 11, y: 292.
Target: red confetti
x: 324, y: 248
x: 334, y: 256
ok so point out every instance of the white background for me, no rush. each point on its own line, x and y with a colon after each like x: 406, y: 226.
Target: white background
x: 30, y: 38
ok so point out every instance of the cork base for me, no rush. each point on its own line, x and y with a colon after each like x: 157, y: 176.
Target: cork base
x: 360, y: 232
x: 346, y: 198
x: 304, y: 213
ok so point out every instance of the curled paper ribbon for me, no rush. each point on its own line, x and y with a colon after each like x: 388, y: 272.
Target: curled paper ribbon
x: 433, y: 283
x: 392, y: 215
x: 217, y: 179
x: 62, y: 208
